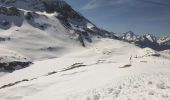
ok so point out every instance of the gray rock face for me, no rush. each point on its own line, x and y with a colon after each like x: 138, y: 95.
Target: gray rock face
x: 9, y: 15
x: 12, y: 66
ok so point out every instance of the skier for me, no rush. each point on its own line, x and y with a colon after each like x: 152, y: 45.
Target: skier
x: 130, y: 60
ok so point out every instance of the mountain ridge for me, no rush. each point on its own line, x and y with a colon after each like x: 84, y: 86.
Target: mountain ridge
x: 44, y: 29
x: 146, y: 40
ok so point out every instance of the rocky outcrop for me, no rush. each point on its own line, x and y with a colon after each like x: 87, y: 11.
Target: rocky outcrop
x: 9, y: 16
x: 4, y: 39
x: 11, y: 11
x: 15, y: 65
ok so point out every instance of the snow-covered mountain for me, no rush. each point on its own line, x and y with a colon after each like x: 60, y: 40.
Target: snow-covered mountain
x: 147, y: 40
x: 129, y: 36
x: 70, y: 58
x: 164, y: 42
x: 42, y: 25
x: 163, y: 39
x: 43, y: 29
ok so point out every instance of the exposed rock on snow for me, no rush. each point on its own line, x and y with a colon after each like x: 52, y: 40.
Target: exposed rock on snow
x: 12, y: 66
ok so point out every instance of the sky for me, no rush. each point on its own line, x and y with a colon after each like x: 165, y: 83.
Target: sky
x: 119, y: 16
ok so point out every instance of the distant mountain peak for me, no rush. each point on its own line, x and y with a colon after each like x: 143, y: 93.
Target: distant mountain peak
x: 148, y: 37
x: 129, y: 36
x: 130, y: 32
x: 146, y: 40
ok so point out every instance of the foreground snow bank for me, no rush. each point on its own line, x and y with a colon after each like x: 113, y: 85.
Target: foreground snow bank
x: 95, y: 73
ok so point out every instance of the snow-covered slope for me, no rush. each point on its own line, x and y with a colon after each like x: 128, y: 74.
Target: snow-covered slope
x: 102, y: 71
x: 72, y: 58
x: 42, y: 29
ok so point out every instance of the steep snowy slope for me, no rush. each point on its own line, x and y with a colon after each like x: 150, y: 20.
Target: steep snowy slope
x: 42, y: 29
x: 101, y: 72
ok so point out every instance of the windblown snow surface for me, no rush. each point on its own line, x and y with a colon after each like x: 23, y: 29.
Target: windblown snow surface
x: 62, y: 69
x: 101, y: 71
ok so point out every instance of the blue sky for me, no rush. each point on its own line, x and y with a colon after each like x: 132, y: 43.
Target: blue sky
x: 140, y: 16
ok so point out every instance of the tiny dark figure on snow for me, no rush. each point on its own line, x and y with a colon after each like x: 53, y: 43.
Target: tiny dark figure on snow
x: 130, y: 60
